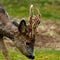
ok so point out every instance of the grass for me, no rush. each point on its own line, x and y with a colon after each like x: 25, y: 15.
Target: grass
x: 42, y: 54
x: 50, y: 9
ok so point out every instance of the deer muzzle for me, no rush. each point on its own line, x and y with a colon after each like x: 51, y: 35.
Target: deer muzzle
x: 31, y: 56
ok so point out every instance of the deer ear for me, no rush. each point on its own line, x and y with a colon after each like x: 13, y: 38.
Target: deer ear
x: 22, y: 27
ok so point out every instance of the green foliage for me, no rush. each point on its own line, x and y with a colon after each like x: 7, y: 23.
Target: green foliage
x: 42, y: 54
x: 50, y: 9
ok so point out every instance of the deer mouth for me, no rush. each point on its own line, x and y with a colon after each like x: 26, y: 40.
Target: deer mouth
x: 31, y: 56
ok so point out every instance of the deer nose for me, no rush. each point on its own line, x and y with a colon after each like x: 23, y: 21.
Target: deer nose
x: 31, y: 56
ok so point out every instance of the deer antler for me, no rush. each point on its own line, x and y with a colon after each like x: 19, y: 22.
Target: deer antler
x: 39, y: 15
x: 31, y: 11
x: 31, y: 17
x: 31, y: 14
x: 34, y: 21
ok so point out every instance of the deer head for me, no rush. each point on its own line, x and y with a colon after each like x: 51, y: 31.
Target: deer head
x: 23, y: 42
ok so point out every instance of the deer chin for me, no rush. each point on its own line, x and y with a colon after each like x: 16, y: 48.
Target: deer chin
x: 30, y: 56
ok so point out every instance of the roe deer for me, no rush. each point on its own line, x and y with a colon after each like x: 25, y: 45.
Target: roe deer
x: 21, y: 34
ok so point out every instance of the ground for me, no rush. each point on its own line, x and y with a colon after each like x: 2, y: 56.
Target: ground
x: 48, y: 35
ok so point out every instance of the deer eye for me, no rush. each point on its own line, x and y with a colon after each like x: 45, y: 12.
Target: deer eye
x: 27, y: 43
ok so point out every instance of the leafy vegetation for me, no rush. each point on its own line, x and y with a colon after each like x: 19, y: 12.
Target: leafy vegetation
x: 42, y: 54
